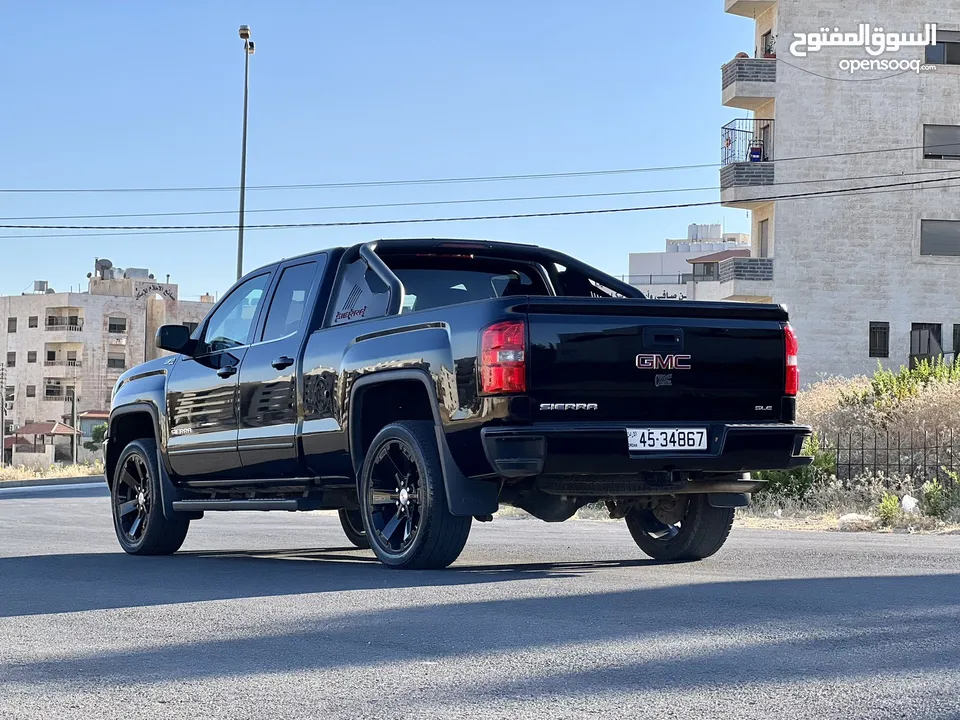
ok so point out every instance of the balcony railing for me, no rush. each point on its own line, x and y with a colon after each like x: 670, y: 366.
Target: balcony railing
x: 57, y: 394
x: 63, y: 363
x: 672, y: 279
x: 749, y: 70
x: 71, y: 324
x: 743, y: 268
x: 747, y: 140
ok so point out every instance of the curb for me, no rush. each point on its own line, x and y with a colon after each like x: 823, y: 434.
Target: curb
x: 40, y: 482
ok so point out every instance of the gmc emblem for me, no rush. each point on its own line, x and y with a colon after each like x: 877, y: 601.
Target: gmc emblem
x: 663, y: 362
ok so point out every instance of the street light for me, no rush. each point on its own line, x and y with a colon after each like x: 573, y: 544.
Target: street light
x: 248, y: 49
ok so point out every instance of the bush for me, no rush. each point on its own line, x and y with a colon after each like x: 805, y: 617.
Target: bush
x: 797, y: 484
x: 938, y: 500
x: 889, y: 509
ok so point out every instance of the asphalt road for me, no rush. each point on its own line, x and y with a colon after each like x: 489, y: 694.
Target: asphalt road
x: 270, y: 615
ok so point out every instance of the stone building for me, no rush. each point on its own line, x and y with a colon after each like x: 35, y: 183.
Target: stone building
x: 60, y: 345
x: 867, y: 277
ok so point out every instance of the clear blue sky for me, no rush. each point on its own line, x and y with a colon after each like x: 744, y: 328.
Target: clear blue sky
x: 150, y: 95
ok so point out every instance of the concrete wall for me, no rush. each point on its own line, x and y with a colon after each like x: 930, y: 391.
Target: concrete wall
x: 27, y: 458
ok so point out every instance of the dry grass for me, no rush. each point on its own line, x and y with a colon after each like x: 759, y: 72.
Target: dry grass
x: 56, y: 471
x: 831, y: 407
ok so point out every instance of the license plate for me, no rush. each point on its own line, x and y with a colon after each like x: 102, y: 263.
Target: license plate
x: 659, y: 439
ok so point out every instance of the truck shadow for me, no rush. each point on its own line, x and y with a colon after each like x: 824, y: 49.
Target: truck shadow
x: 45, y: 584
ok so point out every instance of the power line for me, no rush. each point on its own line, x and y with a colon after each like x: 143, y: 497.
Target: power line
x: 368, y: 206
x: 449, y: 180
x: 409, y: 221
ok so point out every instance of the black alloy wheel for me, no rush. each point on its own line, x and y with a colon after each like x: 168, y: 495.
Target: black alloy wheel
x: 133, y: 498
x: 680, y: 529
x: 138, y: 519
x: 394, y: 496
x: 352, y: 523
x: 403, y: 500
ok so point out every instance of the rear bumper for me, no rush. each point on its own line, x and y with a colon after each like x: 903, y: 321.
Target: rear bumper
x: 601, y: 449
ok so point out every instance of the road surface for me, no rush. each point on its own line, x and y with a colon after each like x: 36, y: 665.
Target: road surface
x: 273, y: 615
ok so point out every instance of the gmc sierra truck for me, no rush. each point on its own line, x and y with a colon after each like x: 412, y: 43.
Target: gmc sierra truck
x: 417, y: 385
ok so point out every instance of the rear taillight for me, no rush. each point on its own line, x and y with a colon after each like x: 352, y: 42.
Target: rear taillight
x: 792, y: 383
x: 503, y: 367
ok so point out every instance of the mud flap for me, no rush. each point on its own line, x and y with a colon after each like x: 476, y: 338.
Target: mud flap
x: 465, y: 496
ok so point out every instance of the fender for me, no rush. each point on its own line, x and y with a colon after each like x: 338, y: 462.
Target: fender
x: 144, y: 390
x: 465, y: 496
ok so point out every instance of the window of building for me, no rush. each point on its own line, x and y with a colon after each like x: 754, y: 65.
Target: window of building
x: 11, y: 325
x: 956, y: 342
x: 51, y: 355
x: 72, y: 357
x: 766, y: 44
x: 763, y: 229
x: 941, y: 142
x: 31, y: 390
x: 9, y: 393
x: 705, y: 271
x: 33, y: 321
x: 31, y: 356
x: 116, y: 360
x: 289, y: 301
x: 926, y: 342
x: 947, y: 49
x: 11, y: 359
x: 940, y: 237
x: 117, y: 325
x: 879, y: 339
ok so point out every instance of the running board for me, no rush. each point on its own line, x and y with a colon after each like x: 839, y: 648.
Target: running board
x: 202, y: 505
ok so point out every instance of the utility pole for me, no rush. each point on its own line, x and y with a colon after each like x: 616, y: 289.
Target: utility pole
x: 73, y: 423
x: 248, y: 49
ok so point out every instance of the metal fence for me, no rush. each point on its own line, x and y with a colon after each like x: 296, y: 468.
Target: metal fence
x: 867, y: 453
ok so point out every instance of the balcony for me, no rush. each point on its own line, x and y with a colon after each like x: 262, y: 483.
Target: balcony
x: 747, y: 162
x: 740, y: 279
x: 66, y: 323
x: 749, y: 83
x: 670, y: 279
x: 748, y: 8
x: 57, y: 393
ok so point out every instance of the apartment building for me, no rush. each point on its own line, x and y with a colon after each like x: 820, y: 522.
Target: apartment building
x: 57, y: 346
x: 667, y: 274
x: 867, y: 277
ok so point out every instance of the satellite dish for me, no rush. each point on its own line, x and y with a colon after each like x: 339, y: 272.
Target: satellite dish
x: 101, y: 266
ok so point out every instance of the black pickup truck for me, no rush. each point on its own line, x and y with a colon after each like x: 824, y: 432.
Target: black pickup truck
x: 416, y: 385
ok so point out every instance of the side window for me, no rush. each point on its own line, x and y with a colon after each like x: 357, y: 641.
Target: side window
x: 289, y: 301
x: 360, y: 295
x: 232, y: 323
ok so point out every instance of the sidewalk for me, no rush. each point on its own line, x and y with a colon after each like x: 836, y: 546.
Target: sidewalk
x: 39, y: 482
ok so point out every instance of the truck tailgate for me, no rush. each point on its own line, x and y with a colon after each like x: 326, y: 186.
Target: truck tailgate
x: 600, y: 359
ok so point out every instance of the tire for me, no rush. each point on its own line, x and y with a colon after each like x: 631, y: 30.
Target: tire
x: 352, y: 523
x: 138, y: 518
x: 401, y: 484
x: 703, y: 530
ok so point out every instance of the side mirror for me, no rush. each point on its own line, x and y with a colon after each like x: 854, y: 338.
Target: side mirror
x: 175, y: 338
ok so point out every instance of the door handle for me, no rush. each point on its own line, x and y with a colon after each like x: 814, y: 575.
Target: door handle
x: 227, y: 371
x: 282, y: 362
